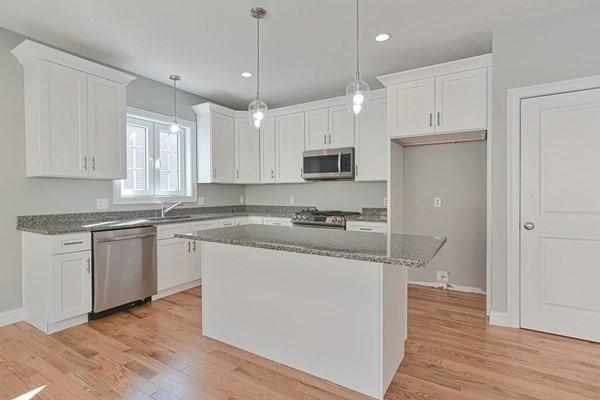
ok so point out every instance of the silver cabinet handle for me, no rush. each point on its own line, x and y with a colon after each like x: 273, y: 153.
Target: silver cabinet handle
x: 324, y: 138
x: 189, y: 247
x: 72, y: 243
x: 85, y: 164
x: 89, y: 265
x: 529, y: 226
x: 365, y: 229
x: 439, y: 118
x: 272, y: 173
x: 330, y: 138
x: 237, y: 174
x: 194, y: 246
x: 94, y: 163
x: 430, y: 120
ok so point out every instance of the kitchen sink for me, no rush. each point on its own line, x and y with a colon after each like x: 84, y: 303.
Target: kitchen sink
x: 168, y: 218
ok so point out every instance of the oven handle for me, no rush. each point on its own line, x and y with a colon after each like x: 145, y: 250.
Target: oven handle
x: 339, y: 162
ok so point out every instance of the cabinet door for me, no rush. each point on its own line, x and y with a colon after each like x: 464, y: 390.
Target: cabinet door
x: 247, y: 152
x: 461, y: 101
x: 411, y: 108
x: 72, y: 285
x: 172, y: 257
x: 62, y: 122
x: 371, y: 143
x: 203, y: 225
x: 195, y: 260
x: 341, y: 127
x: 223, y: 153
x: 267, y: 151
x: 290, y: 145
x: 317, y: 129
x: 106, y: 128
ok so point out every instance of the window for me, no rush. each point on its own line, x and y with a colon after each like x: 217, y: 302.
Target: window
x: 160, y: 163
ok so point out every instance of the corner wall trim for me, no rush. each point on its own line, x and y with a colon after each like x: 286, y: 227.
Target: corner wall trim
x: 11, y: 317
x: 455, y: 288
x: 501, y: 319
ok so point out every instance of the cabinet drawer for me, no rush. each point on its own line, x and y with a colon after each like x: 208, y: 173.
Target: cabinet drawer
x: 227, y: 222
x: 72, y: 242
x: 277, y: 221
x: 203, y: 225
x: 255, y: 220
x: 373, y: 227
x: 169, y: 231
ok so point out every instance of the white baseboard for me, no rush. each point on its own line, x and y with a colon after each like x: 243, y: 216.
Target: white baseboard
x: 456, y: 288
x: 501, y: 319
x: 11, y: 316
x: 176, y: 289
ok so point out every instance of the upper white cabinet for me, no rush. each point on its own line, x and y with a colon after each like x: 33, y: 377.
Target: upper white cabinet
x: 216, y: 143
x: 371, y: 142
x: 329, y: 127
x: 449, y: 99
x: 247, y: 152
x: 289, y: 130
x: 74, y: 115
x: 267, y: 151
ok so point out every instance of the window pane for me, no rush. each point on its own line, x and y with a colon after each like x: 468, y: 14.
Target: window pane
x: 169, y: 161
x: 137, y: 142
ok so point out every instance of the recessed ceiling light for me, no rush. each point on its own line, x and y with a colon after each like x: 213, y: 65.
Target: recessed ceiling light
x: 247, y: 74
x: 382, y: 37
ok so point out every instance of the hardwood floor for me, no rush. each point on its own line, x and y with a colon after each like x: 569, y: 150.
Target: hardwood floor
x: 157, y: 352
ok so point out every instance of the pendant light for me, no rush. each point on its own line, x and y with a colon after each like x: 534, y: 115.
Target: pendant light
x: 258, y: 107
x: 357, y: 91
x: 175, y: 124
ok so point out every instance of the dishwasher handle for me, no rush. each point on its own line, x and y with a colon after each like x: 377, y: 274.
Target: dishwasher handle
x: 127, y: 237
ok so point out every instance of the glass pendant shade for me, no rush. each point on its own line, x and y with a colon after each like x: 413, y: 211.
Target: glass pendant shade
x: 174, y: 127
x: 257, y: 110
x: 357, y: 95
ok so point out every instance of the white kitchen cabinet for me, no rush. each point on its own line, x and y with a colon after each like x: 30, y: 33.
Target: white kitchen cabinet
x: 227, y: 222
x: 247, y: 152
x: 57, y: 280
x: 329, y: 127
x: 203, y: 225
x: 75, y: 115
x: 366, y: 226
x: 289, y: 147
x: 173, y: 264
x: 254, y: 220
x: 371, y: 142
x: 216, y: 143
x: 267, y: 151
x: 412, y: 108
x: 461, y: 101
x: 106, y: 128
x: 277, y: 221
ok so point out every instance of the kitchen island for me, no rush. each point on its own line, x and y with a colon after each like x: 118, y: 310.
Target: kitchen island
x: 330, y: 303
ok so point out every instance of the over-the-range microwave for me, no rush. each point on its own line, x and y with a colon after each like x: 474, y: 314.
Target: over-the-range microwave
x: 328, y: 164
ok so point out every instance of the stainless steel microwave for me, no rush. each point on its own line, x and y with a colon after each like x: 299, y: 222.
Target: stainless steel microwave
x: 328, y: 164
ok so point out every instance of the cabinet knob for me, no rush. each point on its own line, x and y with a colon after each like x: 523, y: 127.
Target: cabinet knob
x: 85, y: 163
x: 529, y: 226
x: 94, y: 163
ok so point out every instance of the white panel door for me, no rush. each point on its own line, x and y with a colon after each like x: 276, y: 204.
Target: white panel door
x: 267, y: 151
x: 247, y: 152
x: 290, y: 145
x: 63, y: 121
x: 560, y: 214
x: 106, y: 128
x: 461, y: 101
x: 411, y: 108
x: 341, y: 127
x: 317, y: 129
x: 223, y: 148
x: 371, y: 143
x: 72, y: 285
x: 172, y: 257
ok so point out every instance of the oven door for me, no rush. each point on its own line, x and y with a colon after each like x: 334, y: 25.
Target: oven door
x: 328, y: 164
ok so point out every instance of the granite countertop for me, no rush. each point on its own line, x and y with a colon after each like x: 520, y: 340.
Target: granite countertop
x: 405, y: 250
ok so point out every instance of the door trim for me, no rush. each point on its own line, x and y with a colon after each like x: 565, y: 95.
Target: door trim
x: 513, y: 231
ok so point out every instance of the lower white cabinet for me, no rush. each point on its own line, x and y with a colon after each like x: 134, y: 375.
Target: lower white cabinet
x: 57, y: 280
x: 173, y: 263
x: 366, y: 226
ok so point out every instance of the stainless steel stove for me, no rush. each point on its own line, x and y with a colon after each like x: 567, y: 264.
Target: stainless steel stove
x: 322, y: 219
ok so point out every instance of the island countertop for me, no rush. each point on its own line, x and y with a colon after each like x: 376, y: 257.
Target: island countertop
x: 404, y: 249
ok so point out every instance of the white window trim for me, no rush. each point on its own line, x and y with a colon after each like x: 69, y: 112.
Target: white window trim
x: 190, y: 185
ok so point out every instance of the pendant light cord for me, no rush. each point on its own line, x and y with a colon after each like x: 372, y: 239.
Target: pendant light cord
x: 257, y: 57
x: 175, y: 99
x: 357, y: 47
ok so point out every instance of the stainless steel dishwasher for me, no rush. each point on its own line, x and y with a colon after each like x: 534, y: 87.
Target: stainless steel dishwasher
x: 124, y: 269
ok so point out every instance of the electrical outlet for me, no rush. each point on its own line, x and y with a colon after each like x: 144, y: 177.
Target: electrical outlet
x: 201, y: 201
x: 241, y: 199
x: 292, y: 200
x: 442, y: 276
x: 385, y: 201
x: 437, y: 202
x: 102, y: 204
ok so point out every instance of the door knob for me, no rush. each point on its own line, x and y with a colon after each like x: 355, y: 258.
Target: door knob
x: 529, y: 226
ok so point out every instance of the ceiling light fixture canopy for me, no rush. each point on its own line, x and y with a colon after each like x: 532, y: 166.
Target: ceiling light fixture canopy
x: 383, y: 37
x: 246, y: 74
x: 175, y: 124
x: 357, y: 91
x: 257, y: 108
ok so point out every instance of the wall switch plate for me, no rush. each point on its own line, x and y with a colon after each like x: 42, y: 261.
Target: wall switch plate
x: 385, y: 201
x: 292, y: 200
x: 102, y: 204
x: 442, y: 276
x: 201, y: 201
x: 241, y: 199
x: 437, y: 202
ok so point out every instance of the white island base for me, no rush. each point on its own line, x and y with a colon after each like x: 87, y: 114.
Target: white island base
x: 339, y: 319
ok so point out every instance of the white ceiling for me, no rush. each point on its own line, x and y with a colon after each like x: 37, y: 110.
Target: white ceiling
x: 307, y: 45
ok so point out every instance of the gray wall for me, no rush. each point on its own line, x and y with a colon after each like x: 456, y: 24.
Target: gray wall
x: 340, y: 195
x: 457, y: 174
x: 21, y: 195
x: 541, y: 51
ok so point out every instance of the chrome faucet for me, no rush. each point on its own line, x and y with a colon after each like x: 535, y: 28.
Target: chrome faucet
x: 164, y: 210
